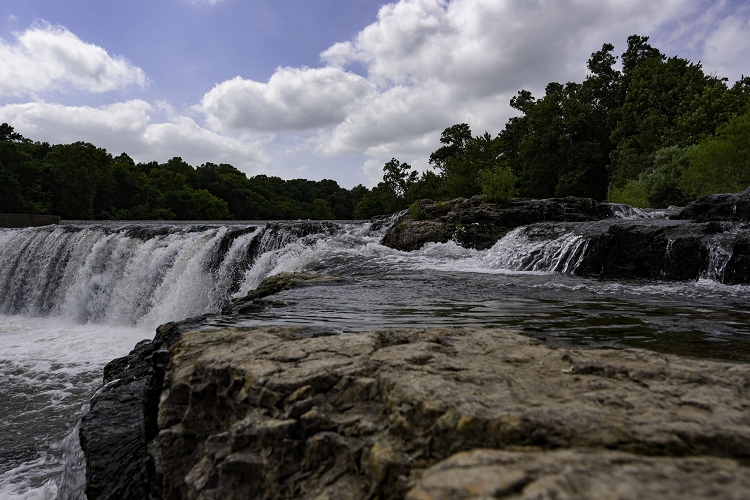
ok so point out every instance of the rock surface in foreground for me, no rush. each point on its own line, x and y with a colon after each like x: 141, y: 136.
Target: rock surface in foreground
x: 269, y: 413
x: 580, y: 475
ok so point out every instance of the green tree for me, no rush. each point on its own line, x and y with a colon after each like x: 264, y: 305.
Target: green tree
x: 498, y: 183
x: 720, y: 163
x: 76, y: 173
x: 662, y: 182
x: 668, y: 102
x: 399, y: 178
x: 321, y: 210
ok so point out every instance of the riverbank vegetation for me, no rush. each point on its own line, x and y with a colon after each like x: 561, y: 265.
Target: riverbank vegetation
x: 649, y: 130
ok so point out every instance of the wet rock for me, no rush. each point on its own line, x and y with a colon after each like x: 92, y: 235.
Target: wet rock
x: 582, y: 475
x: 283, y: 281
x: 113, y: 433
x: 274, y: 284
x: 718, y: 207
x: 475, y: 223
x: 651, y: 249
x: 276, y: 413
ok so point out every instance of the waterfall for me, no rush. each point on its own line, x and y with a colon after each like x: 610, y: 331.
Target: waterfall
x: 140, y: 275
x: 627, y: 212
x: 147, y: 274
x: 532, y: 249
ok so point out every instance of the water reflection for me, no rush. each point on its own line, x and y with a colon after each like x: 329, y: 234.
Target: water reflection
x: 683, y: 318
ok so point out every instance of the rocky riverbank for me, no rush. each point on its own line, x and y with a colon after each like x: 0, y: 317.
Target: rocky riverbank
x: 709, y: 238
x: 289, y: 412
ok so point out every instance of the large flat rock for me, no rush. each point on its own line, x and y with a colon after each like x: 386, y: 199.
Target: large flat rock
x: 581, y: 475
x: 274, y: 413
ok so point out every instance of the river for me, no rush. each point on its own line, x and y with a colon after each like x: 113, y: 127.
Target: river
x: 75, y: 296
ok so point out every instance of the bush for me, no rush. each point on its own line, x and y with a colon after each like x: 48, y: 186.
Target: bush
x: 662, y: 182
x: 633, y: 193
x: 721, y: 163
x: 498, y: 183
x: 416, y: 211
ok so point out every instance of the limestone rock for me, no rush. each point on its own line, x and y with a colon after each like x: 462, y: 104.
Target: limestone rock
x: 274, y: 413
x: 582, y: 474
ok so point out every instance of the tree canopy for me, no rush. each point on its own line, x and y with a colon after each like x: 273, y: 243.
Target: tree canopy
x: 81, y: 181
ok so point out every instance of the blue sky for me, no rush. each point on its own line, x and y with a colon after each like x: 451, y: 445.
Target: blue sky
x: 317, y: 88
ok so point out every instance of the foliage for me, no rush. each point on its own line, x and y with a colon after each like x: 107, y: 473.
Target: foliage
x: 720, y: 163
x: 81, y: 181
x: 416, y: 211
x: 497, y: 183
x: 399, y: 178
x: 632, y: 193
x: 658, y: 131
x: 662, y: 182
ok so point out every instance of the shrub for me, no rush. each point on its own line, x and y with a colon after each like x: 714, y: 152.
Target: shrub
x: 633, y: 193
x: 497, y: 183
x: 416, y: 211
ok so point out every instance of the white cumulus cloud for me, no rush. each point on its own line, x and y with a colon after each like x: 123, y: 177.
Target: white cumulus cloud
x: 727, y: 48
x: 437, y: 63
x: 292, y: 99
x: 46, y: 57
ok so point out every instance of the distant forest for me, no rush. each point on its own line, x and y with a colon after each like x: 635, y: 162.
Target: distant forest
x: 658, y: 132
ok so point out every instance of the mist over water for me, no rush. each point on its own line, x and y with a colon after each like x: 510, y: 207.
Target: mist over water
x: 73, y: 297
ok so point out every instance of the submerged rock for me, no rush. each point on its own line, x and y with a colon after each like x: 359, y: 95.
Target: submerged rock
x: 280, y: 412
x: 276, y: 283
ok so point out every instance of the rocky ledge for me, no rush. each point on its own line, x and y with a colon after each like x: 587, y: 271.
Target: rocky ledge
x: 716, y: 207
x: 283, y: 412
x: 476, y: 223
x: 710, y: 238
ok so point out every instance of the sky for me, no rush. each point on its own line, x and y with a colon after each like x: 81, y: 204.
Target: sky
x: 318, y: 88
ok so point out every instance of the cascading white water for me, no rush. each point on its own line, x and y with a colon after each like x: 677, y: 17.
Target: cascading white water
x: 520, y: 250
x: 622, y: 211
x: 123, y: 276
x: 719, y: 255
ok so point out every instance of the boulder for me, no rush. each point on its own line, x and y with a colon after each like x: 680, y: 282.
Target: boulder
x: 718, y: 207
x: 273, y: 412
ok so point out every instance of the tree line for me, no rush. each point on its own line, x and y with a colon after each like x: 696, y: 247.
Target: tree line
x: 657, y: 132
x: 81, y: 181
